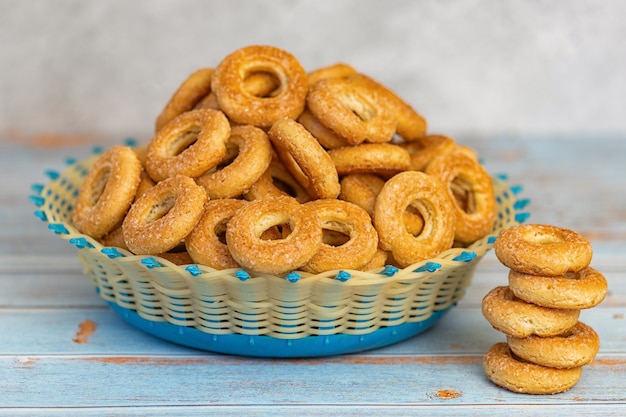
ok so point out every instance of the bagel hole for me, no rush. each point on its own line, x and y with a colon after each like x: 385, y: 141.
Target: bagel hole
x: 262, y: 84
x: 232, y: 152
x: 160, y: 209
x: 99, y: 184
x: 335, y: 234
x: 183, y: 141
x: 273, y: 226
x: 413, y: 220
x: 463, y: 194
x: 277, y: 232
x: 358, y: 107
x: 220, y: 231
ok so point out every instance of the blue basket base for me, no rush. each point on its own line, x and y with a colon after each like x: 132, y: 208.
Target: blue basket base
x: 271, y: 347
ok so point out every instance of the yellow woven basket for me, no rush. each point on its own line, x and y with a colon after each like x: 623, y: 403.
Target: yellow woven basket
x: 300, y: 314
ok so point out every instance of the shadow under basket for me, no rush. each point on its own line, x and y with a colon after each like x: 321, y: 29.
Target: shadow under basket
x: 297, y: 315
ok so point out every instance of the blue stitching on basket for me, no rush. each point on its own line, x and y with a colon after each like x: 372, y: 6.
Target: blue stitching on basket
x: 502, y: 176
x: 37, y: 188
x: 53, y: 175
x: 194, y: 270
x: 37, y: 200
x: 81, y: 243
x: 521, y: 217
x: 41, y: 215
x: 429, y: 267
x: 150, y: 262
x: 343, y: 276
x: 492, y: 239
x: 97, y: 149
x: 132, y: 142
x: 389, y: 270
x: 293, y: 277
x: 58, y: 228
x: 242, y: 275
x: 112, y: 252
x: 516, y: 189
x: 70, y: 160
x: 521, y: 204
x: 465, y: 256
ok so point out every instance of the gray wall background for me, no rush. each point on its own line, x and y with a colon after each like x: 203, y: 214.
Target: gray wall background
x: 471, y: 67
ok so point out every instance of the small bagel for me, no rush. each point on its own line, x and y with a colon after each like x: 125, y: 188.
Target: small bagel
x: 188, y: 145
x: 385, y: 159
x: 505, y: 370
x: 204, y: 244
x: 427, y: 195
x: 254, y: 154
x: 539, y: 249
x: 576, y: 347
x: 163, y: 216
x: 518, y: 318
x: 305, y: 159
x: 350, y: 111
x: 228, y: 84
x: 107, y: 192
x: 466, y: 177
x: 576, y: 290
x: 273, y: 256
x: 350, y: 220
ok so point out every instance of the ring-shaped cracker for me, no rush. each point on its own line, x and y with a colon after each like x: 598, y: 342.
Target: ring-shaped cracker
x: 163, y: 216
x: 253, y: 158
x: 189, y: 145
x: 571, y: 349
x: 540, y: 249
x: 107, y: 192
x: 475, y: 219
x: 578, y: 290
x: 350, y: 111
x: 517, y: 318
x: 273, y: 256
x: 305, y: 159
x: 384, y: 159
x: 426, y: 194
x: 204, y: 244
x: 228, y: 84
x: 347, y: 219
x: 505, y: 370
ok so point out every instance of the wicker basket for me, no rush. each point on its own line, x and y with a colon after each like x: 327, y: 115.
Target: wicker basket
x: 300, y: 314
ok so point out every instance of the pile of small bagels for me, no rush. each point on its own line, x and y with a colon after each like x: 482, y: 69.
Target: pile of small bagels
x: 550, y: 282
x: 258, y: 164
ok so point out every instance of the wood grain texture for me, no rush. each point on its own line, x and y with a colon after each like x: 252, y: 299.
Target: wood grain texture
x: 64, y: 352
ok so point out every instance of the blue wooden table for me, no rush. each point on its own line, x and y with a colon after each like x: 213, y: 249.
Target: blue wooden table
x: 64, y: 352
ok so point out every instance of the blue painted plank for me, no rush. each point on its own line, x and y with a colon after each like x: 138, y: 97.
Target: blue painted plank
x: 579, y: 408
x: 140, y: 381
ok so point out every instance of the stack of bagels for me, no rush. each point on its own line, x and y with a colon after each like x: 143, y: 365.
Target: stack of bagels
x: 550, y: 282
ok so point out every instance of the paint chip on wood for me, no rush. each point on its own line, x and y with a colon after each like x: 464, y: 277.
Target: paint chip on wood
x: 85, y: 329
